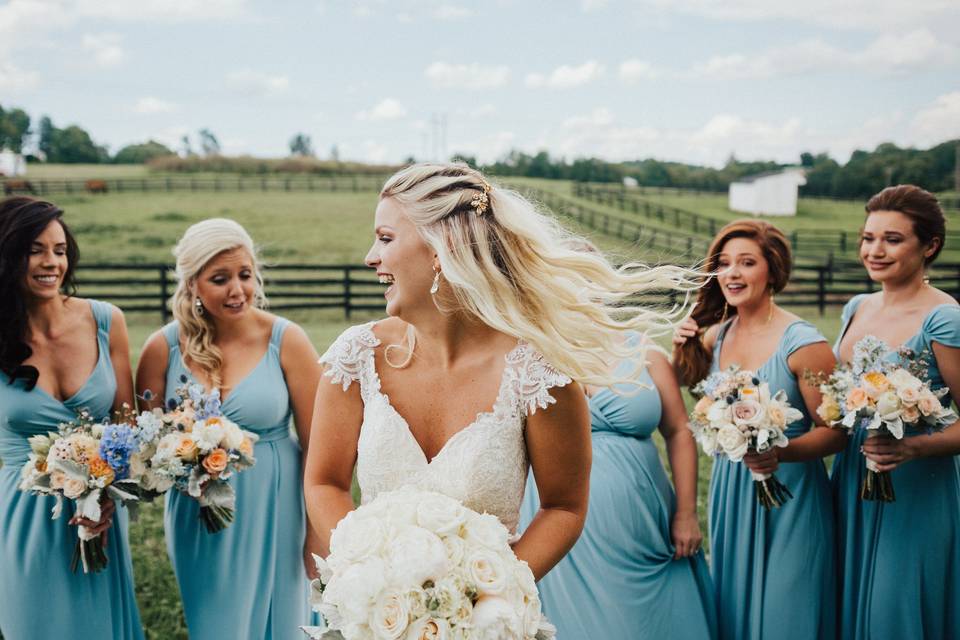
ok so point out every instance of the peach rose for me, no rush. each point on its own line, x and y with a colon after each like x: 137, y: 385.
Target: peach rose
x: 187, y: 448
x: 910, y: 414
x: 702, y: 405
x: 929, y: 404
x: 216, y: 461
x: 909, y: 395
x: 857, y: 399
x: 246, y: 447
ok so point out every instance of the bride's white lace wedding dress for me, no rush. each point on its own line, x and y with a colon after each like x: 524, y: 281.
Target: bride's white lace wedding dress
x: 484, y: 465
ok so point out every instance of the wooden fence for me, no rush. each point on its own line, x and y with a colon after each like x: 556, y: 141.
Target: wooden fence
x: 204, y: 183
x: 352, y: 287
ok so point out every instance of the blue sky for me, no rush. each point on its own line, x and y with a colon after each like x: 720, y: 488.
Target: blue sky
x: 687, y: 80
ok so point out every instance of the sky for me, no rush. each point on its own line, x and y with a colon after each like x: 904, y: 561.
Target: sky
x: 685, y: 80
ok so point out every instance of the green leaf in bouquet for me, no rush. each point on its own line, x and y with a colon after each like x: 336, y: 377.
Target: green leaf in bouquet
x: 218, y: 494
x: 195, y: 482
x: 88, y: 506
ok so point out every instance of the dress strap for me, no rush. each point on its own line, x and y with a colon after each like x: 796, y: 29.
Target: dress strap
x: 172, y: 333
x: 102, y: 315
x: 350, y: 357
x: 529, y: 379
x: 276, y: 333
x: 798, y: 335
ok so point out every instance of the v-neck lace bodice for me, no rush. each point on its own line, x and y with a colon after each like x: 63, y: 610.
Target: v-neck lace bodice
x: 484, y: 465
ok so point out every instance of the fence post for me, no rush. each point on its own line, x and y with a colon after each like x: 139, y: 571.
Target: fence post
x: 821, y: 289
x: 164, y: 314
x: 346, y: 291
x: 843, y: 241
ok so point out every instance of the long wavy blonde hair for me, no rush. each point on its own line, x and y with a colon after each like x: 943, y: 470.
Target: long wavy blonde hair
x: 200, y: 244
x: 517, y: 270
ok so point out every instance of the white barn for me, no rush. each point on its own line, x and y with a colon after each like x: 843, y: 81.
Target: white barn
x: 12, y: 164
x: 768, y: 194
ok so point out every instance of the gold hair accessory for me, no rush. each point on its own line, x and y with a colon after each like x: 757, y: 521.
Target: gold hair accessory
x: 481, y: 201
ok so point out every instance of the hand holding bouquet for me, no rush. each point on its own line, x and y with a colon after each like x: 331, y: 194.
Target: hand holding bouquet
x: 417, y: 564
x: 89, y: 463
x: 885, y: 396
x: 737, y: 414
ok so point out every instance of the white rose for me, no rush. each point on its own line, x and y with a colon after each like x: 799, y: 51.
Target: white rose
x: 166, y: 448
x: 888, y: 405
x: 719, y: 411
x: 485, y: 529
x: 73, y: 487
x: 429, y: 629
x: 902, y: 379
x: 747, y: 413
x: 207, y: 434
x: 441, y: 514
x: 415, y: 555
x: 355, y: 538
x: 390, y: 616
x: 708, y: 440
x: 356, y: 589
x: 495, y: 619
x: 732, y: 442
x: 232, y: 435
x: 487, y: 571
x: 456, y: 548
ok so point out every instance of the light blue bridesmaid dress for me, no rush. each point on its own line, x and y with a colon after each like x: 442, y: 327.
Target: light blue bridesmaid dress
x: 774, y: 570
x: 39, y: 596
x: 620, y: 580
x: 248, y: 580
x: 900, y: 561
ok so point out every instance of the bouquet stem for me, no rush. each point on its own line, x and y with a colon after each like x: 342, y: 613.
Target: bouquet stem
x: 877, y: 485
x: 90, y: 554
x: 215, y: 518
x: 771, y: 493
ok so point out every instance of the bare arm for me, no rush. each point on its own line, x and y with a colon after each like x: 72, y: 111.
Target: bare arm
x: 821, y: 440
x: 682, y: 452
x: 331, y: 456
x: 152, y: 371
x: 558, y: 443
x: 889, y: 453
x: 120, y: 356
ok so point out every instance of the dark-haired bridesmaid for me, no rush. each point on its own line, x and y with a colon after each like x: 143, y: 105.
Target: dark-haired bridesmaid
x: 773, y: 571
x: 58, y: 354
x: 900, y: 561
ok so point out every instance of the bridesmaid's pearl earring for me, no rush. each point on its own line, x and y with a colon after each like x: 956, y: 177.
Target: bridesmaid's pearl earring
x: 436, y: 283
x: 198, y: 306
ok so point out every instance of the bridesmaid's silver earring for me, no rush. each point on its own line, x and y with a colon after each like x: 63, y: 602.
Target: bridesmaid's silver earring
x: 770, y: 315
x: 198, y: 306
x: 436, y: 283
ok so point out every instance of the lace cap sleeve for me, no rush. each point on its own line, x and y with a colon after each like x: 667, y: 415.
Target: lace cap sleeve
x: 531, y: 378
x: 349, y: 354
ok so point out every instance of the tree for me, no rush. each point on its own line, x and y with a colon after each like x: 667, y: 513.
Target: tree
x: 72, y: 145
x: 208, y: 142
x: 14, y: 125
x: 46, y: 134
x: 141, y: 153
x: 301, y: 145
x: 470, y: 161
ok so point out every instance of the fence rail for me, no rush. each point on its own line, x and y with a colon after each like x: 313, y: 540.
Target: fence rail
x: 353, y: 287
x: 197, y: 184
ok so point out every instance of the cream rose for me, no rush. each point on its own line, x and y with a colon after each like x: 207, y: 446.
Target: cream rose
x: 355, y: 538
x: 747, y: 412
x: 857, y: 399
x: 429, y: 629
x: 486, y: 530
x: 909, y: 395
x: 486, y: 569
x: 929, y: 404
x: 440, y: 514
x: 390, y: 616
x: 910, y: 414
x: 73, y: 487
x: 208, y: 433
x: 232, y: 435
x: 733, y: 442
x: 902, y: 379
x: 416, y: 555
x: 495, y: 619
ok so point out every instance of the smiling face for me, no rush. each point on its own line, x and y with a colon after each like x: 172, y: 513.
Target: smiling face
x: 890, y: 249
x: 744, y: 273
x: 402, y: 259
x: 47, y: 263
x: 227, y: 285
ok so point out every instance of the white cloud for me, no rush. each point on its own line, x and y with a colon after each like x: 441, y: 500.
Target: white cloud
x: 14, y: 80
x: 593, y: 5
x: 878, y: 15
x: 104, y: 48
x: 467, y: 76
x: 567, y: 76
x: 599, y: 117
x: 375, y: 152
x: 634, y: 70
x: 388, y: 109
x: 479, y: 111
x: 22, y: 22
x: 257, y: 83
x: 162, y: 10
x: 150, y: 105
x: 363, y: 11
x: 939, y: 121
x: 453, y: 12
x: 896, y: 52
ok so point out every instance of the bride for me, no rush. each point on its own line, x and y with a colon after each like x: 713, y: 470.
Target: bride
x: 494, y: 325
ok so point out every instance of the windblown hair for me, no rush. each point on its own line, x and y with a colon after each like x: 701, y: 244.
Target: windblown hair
x: 22, y: 220
x: 200, y: 244
x: 923, y: 209
x: 514, y: 268
x: 692, y: 360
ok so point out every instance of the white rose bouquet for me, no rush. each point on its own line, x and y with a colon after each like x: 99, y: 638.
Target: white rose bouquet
x: 86, y: 462
x: 201, y: 453
x: 737, y: 414
x: 884, y: 395
x: 419, y: 565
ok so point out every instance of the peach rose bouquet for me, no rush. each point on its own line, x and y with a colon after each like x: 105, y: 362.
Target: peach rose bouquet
x: 202, y: 452
x: 887, y: 393
x: 737, y: 414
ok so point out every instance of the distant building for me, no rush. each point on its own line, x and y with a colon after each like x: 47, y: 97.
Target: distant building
x: 12, y: 164
x: 768, y: 194
x: 630, y: 182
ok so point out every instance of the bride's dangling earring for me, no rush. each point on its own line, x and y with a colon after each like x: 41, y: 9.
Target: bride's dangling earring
x: 198, y: 306
x: 436, y: 283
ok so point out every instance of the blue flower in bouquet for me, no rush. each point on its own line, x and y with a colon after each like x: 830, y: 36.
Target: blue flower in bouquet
x: 116, y: 445
x: 148, y: 427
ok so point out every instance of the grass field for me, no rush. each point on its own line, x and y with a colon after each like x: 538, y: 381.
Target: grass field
x: 292, y: 227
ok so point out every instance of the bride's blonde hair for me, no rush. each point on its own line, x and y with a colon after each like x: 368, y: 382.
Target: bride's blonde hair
x: 518, y: 271
x: 200, y: 244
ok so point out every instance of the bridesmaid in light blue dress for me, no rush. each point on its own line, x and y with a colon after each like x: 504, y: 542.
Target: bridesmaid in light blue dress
x: 40, y: 597
x: 627, y: 576
x: 248, y: 581
x: 900, y: 561
x: 773, y: 571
